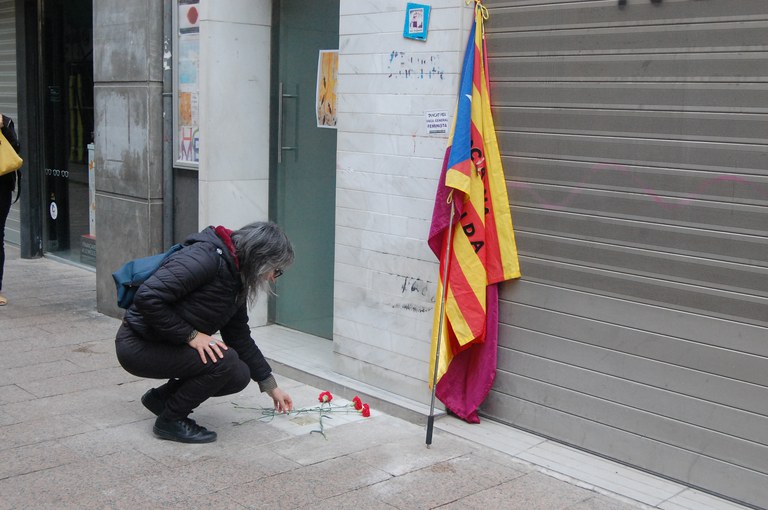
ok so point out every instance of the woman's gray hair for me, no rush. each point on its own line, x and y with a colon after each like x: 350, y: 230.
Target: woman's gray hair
x: 261, y: 247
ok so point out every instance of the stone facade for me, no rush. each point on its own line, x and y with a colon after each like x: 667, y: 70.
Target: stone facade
x: 388, y: 167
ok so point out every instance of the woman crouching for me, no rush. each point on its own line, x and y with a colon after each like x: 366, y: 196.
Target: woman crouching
x: 202, y: 289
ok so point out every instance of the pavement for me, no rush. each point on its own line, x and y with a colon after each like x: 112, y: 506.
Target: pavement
x: 74, y: 435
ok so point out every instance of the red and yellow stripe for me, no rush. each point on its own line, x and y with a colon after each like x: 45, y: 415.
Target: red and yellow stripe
x: 483, y: 249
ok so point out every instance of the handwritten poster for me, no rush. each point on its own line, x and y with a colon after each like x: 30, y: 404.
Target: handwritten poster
x: 327, y: 74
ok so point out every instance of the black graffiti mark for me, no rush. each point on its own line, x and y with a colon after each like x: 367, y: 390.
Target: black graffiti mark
x: 415, y: 285
x: 413, y: 308
x: 623, y: 3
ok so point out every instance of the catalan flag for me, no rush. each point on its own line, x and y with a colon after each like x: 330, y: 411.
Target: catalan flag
x: 482, y: 252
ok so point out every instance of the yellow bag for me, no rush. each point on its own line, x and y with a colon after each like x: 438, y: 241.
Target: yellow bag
x: 9, y: 160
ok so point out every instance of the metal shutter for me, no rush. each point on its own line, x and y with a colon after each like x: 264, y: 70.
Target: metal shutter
x: 8, y: 103
x: 635, y: 146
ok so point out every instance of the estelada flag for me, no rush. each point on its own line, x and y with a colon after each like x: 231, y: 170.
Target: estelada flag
x: 483, y: 251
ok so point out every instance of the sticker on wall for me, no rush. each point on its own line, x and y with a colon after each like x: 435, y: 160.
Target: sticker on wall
x: 437, y: 122
x: 189, y: 17
x: 325, y: 98
x: 54, y: 210
x: 416, y: 21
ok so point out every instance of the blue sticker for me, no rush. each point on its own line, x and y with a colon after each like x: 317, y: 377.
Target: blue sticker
x: 416, y: 21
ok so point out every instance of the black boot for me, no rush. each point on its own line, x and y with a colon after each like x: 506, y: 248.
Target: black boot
x: 152, y: 401
x: 184, y: 430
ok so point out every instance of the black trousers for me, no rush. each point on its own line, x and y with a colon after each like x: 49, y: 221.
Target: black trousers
x: 6, y: 197
x: 191, y: 382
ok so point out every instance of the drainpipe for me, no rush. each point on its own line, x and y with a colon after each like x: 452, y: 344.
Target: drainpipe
x: 168, y: 234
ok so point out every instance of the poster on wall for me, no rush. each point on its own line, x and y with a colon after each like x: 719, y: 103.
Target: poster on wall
x: 416, y: 21
x: 188, y: 17
x: 187, y: 93
x: 327, y: 75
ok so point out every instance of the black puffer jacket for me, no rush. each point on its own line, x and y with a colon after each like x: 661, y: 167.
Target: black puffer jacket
x: 196, y: 288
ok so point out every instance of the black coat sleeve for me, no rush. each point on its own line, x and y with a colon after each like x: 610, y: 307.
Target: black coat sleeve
x: 237, y: 335
x: 158, y: 298
x: 9, y: 131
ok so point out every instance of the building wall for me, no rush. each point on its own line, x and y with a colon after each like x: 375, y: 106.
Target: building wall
x: 234, y: 116
x: 388, y: 168
x: 128, y: 73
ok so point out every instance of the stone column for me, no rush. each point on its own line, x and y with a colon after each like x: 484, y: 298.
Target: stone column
x: 128, y: 73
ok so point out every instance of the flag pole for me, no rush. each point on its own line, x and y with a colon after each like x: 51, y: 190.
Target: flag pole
x: 443, y: 299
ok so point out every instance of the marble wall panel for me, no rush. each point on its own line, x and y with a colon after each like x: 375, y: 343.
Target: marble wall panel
x: 388, y: 171
x: 128, y: 228
x: 128, y: 148
x: 127, y: 41
x: 234, y: 129
x: 234, y: 112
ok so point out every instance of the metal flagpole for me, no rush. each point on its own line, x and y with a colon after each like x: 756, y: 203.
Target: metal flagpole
x: 443, y: 298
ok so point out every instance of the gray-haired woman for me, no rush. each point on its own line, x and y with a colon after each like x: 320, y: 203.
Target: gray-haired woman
x: 203, y: 288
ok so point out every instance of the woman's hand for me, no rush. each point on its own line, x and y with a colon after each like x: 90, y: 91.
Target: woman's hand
x: 282, y: 400
x: 208, y: 347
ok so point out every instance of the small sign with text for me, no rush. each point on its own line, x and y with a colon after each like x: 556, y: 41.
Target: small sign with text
x: 437, y: 122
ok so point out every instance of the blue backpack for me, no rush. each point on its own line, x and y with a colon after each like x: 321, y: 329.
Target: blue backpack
x: 135, y: 272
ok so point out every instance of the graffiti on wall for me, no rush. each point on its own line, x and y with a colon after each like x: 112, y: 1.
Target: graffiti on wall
x: 418, y: 66
x: 622, y: 3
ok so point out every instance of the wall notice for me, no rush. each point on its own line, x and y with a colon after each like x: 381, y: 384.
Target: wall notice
x: 325, y: 98
x: 187, y: 90
x: 437, y: 122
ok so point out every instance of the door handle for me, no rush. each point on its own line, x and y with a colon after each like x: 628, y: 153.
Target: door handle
x: 280, y: 146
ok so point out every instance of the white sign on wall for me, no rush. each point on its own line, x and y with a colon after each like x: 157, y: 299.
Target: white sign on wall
x: 437, y: 122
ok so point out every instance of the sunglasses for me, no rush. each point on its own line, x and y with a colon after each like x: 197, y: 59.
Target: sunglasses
x: 277, y: 273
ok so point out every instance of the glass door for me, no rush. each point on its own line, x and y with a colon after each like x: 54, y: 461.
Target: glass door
x: 67, y: 90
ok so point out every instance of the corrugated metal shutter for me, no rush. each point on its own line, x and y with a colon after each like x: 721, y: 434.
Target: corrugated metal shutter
x: 635, y: 143
x: 8, y: 101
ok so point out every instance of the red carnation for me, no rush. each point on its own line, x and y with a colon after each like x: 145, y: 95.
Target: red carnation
x: 366, y: 411
x: 325, y: 397
x: 358, y: 403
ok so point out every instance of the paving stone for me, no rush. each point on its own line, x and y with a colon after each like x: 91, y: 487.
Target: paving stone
x: 59, y: 487
x: 232, y: 468
x: 603, y: 503
x: 37, y: 457
x: 444, y: 482
x: 218, y: 500
x: 11, y: 393
x: 100, y: 443
x: 31, y: 373
x: 349, y: 438
x: 307, y: 486
x: 534, y: 491
x: 6, y: 418
x: 411, y: 454
x: 363, y: 498
x: 41, y: 430
x: 75, y: 382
